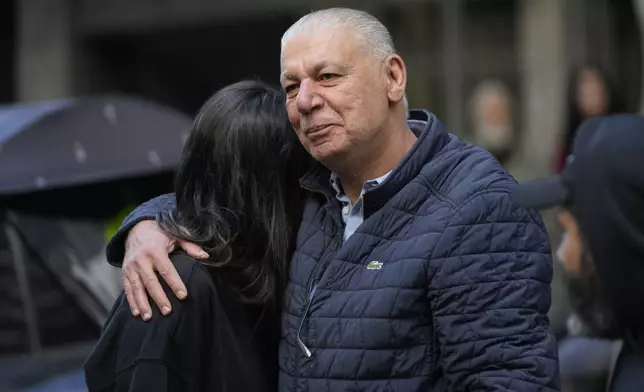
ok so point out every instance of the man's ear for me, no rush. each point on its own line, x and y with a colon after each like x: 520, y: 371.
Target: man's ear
x: 396, y: 74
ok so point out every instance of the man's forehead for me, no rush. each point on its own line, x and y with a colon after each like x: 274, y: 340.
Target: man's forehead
x: 314, y: 52
x: 298, y: 58
x: 290, y: 72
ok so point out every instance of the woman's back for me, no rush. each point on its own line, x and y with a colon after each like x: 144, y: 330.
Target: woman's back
x: 210, y: 342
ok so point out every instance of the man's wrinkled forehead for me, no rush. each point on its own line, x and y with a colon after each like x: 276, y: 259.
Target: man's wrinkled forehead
x: 318, y: 48
x: 315, y: 68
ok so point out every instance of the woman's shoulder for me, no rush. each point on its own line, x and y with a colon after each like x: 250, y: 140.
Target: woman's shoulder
x: 140, y: 342
x: 191, y: 272
x: 197, y: 278
x: 200, y: 293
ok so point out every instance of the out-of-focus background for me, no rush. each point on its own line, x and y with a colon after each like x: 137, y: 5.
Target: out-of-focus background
x: 96, y: 99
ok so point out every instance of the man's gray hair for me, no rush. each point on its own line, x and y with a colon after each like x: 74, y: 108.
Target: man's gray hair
x: 373, y: 35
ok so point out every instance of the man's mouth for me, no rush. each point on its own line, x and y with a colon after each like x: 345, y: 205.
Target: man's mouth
x: 317, y: 131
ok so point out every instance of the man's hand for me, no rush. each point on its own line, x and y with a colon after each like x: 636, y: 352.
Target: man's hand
x: 146, y: 252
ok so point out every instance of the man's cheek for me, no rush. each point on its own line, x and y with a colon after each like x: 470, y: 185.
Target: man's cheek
x: 303, y: 140
x: 293, y: 118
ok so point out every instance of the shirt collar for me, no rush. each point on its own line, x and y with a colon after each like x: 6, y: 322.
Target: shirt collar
x: 337, y: 185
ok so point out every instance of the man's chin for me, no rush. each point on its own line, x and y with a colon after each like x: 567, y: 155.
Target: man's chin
x: 326, y: 152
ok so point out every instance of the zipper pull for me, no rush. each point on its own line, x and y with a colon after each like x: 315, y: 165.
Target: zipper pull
x: 305, y: 349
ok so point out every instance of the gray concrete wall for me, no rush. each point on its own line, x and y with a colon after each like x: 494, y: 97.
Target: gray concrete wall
x: 44, y: 50
x: 543, y: 72
x: 639, y: 9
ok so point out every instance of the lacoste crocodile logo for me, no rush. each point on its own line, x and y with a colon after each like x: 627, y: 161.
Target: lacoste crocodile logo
x: 374, y: 265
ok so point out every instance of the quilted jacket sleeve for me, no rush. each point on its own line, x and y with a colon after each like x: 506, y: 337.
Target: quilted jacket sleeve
x: 490, y: 293
x: 146, y: 211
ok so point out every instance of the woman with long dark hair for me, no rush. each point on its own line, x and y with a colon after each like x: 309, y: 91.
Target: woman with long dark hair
x: 238, y: 197
x: 591, y: 93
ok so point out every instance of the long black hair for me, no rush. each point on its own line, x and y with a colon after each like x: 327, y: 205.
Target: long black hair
x: 237, y: 189
x: 574, y: 116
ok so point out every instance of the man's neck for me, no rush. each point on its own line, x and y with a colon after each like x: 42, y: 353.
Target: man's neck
x: 380, y: 161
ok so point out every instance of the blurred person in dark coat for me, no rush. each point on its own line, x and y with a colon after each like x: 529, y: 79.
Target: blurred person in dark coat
x: 600, y: 194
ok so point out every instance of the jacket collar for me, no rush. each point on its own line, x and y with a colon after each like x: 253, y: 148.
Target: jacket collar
x: 432, y: 138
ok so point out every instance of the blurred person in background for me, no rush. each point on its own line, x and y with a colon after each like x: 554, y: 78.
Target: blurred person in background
x: 600, y: 194
x: 492, y: 119
x: 591, y: 92
x: 238, y: 197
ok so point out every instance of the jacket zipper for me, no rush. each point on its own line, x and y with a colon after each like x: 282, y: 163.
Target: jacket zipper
x: 303, y: 346
x: 312, y: 279
x: 311, y: 285
x: 311, y: 288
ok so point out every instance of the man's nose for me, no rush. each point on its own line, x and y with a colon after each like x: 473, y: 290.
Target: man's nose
x: 308, y: 98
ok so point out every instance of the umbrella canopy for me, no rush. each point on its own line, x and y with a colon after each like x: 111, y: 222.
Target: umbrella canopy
x: 77, y: 141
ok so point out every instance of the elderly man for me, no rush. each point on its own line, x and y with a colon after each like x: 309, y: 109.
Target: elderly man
x: 414, y: 270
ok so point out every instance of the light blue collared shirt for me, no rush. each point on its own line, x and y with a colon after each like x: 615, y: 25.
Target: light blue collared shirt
x: 353, y: 214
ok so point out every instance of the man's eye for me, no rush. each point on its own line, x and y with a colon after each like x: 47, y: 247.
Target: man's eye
x: 290, y: 88
x: 327, y: 76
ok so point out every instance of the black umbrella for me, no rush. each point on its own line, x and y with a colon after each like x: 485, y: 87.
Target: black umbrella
x: 86, y: 140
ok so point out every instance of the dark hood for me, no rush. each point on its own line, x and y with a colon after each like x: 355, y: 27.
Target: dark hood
x: 607, y: 184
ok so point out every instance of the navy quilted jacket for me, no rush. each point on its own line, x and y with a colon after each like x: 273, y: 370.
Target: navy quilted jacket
x: 444, y: 287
